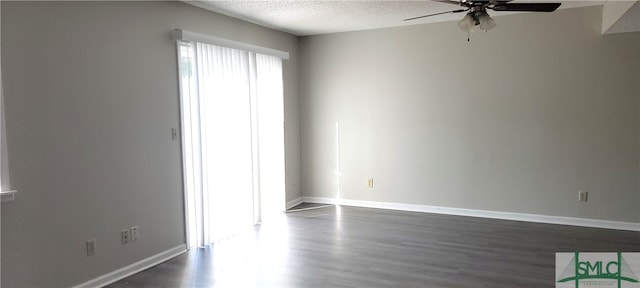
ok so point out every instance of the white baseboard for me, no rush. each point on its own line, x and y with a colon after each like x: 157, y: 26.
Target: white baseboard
x: 133, y: 268
x: 294, y: 203
x: 583, y: 222
x: 322, y: 200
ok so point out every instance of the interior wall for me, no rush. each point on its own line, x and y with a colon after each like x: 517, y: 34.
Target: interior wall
x: 91, y: 91
x: 519, y: 119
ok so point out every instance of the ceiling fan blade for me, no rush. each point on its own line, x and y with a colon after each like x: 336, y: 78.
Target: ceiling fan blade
x: 454, y: 2
x: 526, y: 7
x: 447, y: 12
x: 468, y: 3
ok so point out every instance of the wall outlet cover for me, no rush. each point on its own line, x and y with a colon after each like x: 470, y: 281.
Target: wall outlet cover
x: 124, y: 236
x: 135, y: 233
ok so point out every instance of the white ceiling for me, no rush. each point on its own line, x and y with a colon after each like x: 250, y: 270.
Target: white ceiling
x: 313, y: 17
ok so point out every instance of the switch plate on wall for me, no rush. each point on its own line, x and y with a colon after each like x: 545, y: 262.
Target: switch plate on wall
x: 91, y: 247
x: 583, y: 196
x: 370, y: 183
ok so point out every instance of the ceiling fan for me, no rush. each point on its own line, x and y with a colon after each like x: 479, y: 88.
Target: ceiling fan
x: 477, y: 11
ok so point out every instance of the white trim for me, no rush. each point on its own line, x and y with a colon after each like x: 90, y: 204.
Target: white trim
x: 294, y: 203
x: 322, y: 200
x: 185, y: 192
x: 8, y: 196
x: 134, y: 268
x: 584, y: 222
x: 184, y: 35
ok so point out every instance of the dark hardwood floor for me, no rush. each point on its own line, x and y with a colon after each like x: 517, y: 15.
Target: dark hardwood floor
x: 362, y: 247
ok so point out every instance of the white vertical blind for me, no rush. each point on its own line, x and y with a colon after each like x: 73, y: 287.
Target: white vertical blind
x: 4, y: 179
x: 5, y: 185
x: 223, y: 89
x: 191, y: 150
x: 270, y: 105
x: 233, y: 136
x: 189, y: 36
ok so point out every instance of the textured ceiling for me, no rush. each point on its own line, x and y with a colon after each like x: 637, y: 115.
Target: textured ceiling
x: 313, y: 17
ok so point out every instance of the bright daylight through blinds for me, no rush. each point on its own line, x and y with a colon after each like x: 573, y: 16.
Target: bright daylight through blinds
x: 5, y: 186
x: 233, y: 133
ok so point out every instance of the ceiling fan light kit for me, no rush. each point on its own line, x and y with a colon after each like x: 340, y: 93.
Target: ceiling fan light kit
x: 477, y: 11
x: 486, y: 23
x: 472, y: 19
x: 467, y: 23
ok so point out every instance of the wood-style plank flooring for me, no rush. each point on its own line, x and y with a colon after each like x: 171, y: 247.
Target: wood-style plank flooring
x: 362, y: 247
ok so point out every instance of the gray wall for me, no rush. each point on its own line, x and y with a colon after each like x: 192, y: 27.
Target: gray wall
x: 91, y: 95
x: 518, y: 120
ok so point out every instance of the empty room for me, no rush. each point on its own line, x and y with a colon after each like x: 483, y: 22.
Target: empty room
x: 431, y: 143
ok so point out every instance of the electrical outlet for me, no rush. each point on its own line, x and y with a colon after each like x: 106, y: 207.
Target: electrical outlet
x: 91, y: 247
x: 135, y: 235
x: 583, y: 196
x: 124, y: 236
x: 370, y: 182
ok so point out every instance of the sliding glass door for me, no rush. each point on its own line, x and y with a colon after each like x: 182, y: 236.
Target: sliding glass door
x: 233, y: 135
